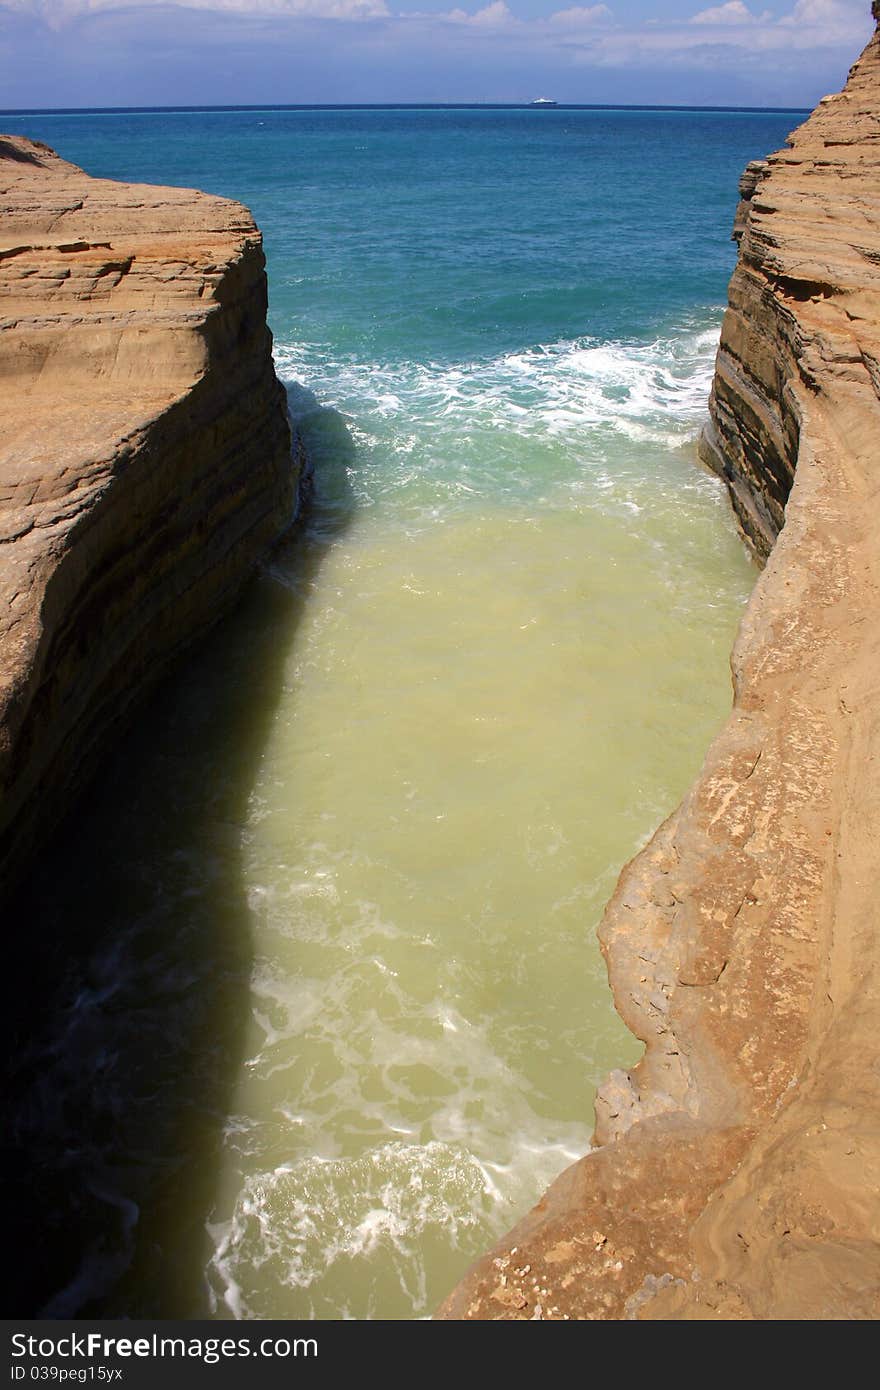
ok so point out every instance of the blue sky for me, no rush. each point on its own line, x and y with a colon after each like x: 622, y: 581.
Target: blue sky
x: 151, y: 52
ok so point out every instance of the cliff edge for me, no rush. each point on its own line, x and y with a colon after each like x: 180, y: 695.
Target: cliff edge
x: 145, y: 456
x: 736, y: 1168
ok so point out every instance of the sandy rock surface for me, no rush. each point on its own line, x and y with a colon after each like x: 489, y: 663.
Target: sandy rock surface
x: 737, y: 1167
x: 145, y: 456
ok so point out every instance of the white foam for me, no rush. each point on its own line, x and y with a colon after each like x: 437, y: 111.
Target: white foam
x: 305, y: 1217
x: 298, y: 1222
x: 653, y: 391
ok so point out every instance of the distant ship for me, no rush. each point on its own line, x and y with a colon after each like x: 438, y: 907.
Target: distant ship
x: 543, y: 101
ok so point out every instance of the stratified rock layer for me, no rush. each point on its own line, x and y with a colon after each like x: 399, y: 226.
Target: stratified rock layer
x: 738, y: 1165
x: 145, y: 456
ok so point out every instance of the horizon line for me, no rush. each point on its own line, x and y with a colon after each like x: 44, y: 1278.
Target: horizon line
x: 178, y: 109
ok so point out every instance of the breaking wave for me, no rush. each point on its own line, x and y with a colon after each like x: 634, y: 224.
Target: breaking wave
x: 654, y: 392
x: 395, y: 1215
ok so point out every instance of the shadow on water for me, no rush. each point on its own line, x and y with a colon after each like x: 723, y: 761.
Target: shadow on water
x: 126, y: 997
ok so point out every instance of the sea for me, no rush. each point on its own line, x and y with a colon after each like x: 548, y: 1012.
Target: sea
x: 310, y: 1007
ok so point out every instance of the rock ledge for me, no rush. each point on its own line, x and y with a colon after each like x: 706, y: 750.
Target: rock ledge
x: 146, y: 459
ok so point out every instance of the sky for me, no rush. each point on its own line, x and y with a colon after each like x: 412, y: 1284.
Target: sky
x: 56, y: 53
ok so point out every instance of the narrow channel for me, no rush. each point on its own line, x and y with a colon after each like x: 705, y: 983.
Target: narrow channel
x: 326, y: 1010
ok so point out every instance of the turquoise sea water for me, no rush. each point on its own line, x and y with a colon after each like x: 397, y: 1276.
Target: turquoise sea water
x: 326, y: 1012
x: 422, y: 236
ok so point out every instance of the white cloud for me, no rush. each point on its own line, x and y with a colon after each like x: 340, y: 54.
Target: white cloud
x: 497, y: 15
x: 490, y: 17
x: 810, y: 22
x: 715, y: 36
x: 484, y: 53
x: 580, y: 15
x: 56, y: 13
x: 833, y: 17
x: 734, y: 12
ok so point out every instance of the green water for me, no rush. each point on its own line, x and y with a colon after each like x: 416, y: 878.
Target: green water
x: 480, y: 722
x: 322, y: 1010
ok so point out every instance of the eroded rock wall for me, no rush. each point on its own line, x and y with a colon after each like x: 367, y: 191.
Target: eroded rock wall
x: 807, y: 260
x: 146, y: 461
x: 737, y: 1166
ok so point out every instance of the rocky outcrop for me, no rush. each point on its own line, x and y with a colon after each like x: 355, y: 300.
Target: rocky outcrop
x: 736, y: 1168
x: 801, y: 299
x: 145, y: 456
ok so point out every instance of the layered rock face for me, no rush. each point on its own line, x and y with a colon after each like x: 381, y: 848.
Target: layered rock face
x: 737, y: 1166
x: 145, y: 456
x: 802, y: 302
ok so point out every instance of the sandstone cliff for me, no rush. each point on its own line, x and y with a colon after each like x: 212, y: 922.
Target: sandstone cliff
x: 737, y: 1167
x: 145, y: 455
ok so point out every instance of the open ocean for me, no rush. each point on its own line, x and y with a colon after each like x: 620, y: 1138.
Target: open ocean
x: 323, y: 1009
